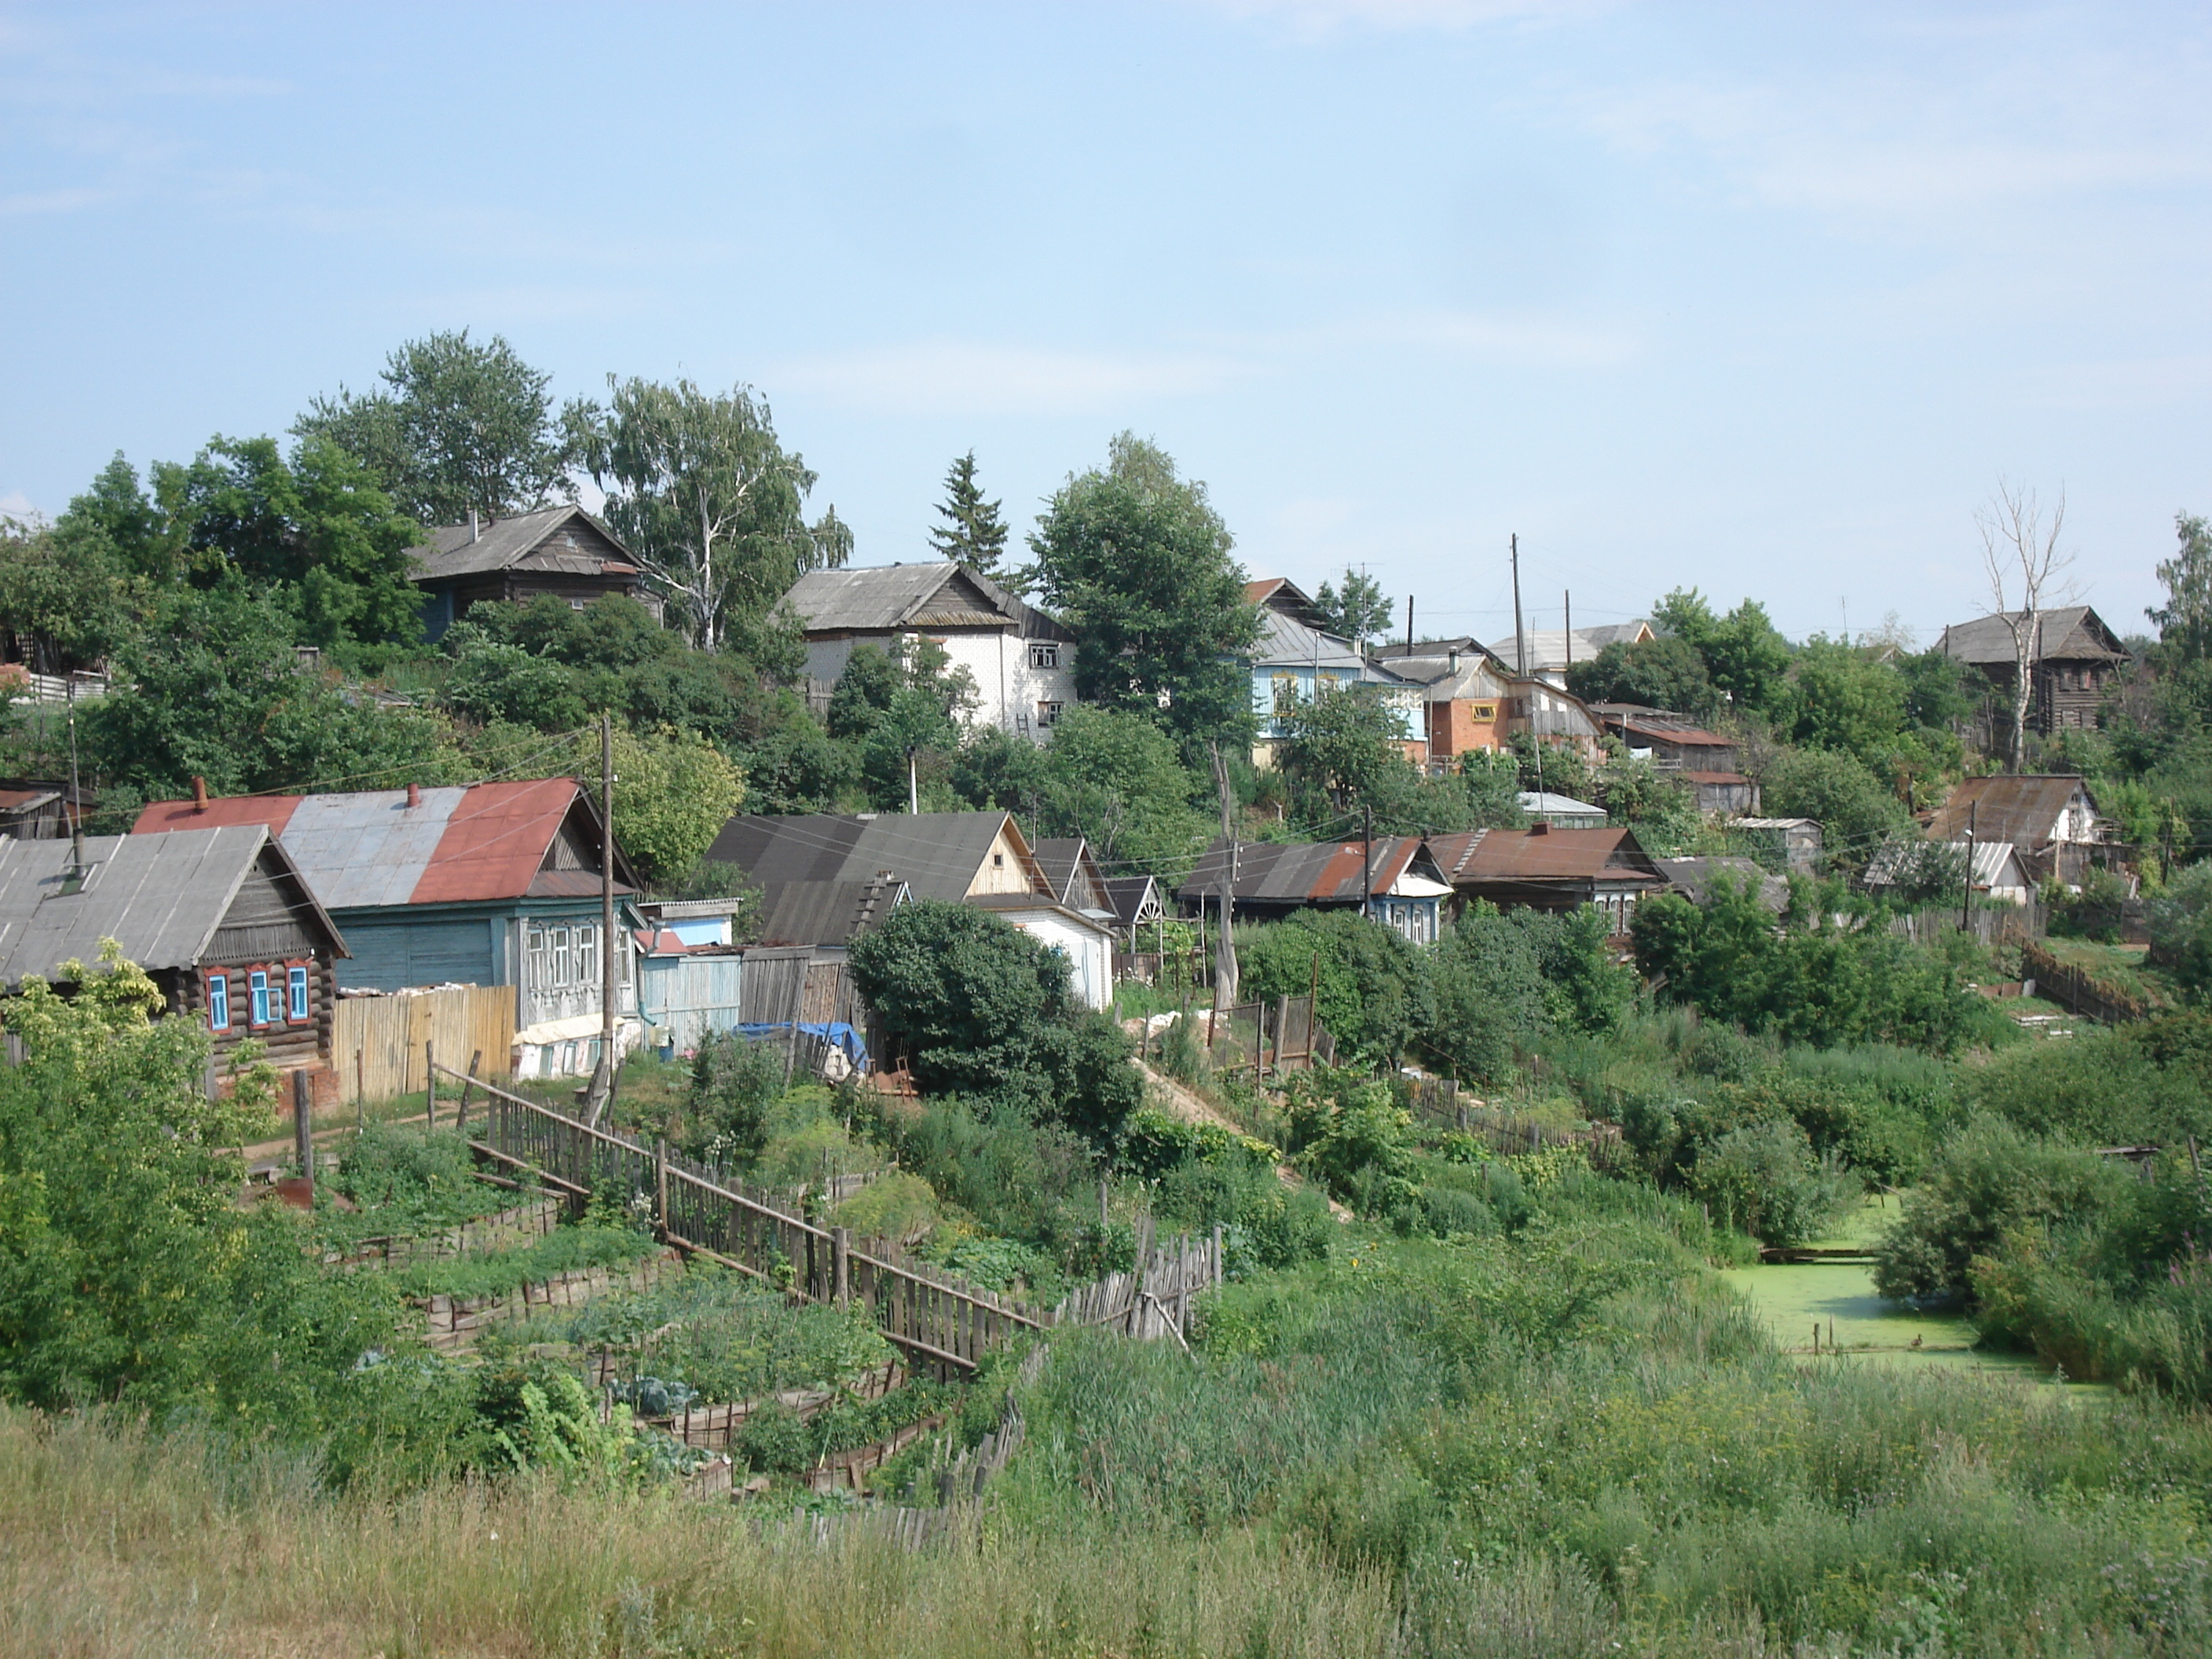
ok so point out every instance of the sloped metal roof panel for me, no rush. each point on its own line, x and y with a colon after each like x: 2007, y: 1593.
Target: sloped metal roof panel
x: 161, y: 898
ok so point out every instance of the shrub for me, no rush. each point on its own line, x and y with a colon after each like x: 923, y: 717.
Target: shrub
x: 734, y: 1082
x: 1374, y: 995
x: 1766, y: 1179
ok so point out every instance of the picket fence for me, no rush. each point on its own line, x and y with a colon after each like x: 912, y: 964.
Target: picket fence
x: 929, y: 1315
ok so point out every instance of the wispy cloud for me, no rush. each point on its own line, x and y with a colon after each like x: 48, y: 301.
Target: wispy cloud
x: 56, y: 201
x: 966, y: 377
x: 16, y: 505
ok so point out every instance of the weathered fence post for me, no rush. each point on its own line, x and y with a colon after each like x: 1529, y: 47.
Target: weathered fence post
x: 841, y: 1244
x: 429, y: 1085
x: 660, y: 1184
x: 1216, y: 1255
x: 462, y: 1121
x: 303, y: 1122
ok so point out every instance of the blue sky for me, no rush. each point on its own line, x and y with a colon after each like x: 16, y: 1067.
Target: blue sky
x: 1759, y: 299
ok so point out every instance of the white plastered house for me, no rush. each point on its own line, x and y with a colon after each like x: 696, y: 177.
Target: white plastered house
x: 1023, y: 662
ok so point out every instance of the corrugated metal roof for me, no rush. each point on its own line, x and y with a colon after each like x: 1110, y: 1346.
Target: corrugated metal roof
x: 1303, y: 873
x: 937, y: 855
x: 2024, y: 809
x: 160, y: 898
x: 1540, y: 855
x: 1285, y: 642
x: 1657, y: 724
x: 2070, y: 633
x: 1990, y: 859
x: 469, y: 843
x: 1536, y: 800
x: 504, y: 543
x: 1548, y: 647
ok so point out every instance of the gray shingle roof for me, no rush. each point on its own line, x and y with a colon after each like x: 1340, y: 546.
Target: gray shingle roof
x: 2070, y: 633
x: 886, y: 598
x: 161, y: 898
x: 937, y: 855
x: 822, y: 911
x: 504, y: 543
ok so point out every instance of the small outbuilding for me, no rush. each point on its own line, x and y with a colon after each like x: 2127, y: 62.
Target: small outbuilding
x: 561, y: 551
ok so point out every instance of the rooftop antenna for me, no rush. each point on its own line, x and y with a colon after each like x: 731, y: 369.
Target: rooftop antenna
x: 1520, y: 640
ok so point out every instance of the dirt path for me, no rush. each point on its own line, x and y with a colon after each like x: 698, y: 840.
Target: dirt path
x: 1193, y: 1108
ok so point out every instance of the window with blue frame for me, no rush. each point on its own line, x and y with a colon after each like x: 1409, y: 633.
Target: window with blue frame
x: 295, y: 979
x: 258, y: 982
x: 218, y: 1000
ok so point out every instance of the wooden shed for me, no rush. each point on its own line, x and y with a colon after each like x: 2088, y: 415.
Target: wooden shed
x: 220, y: 919
x: 561, y: 550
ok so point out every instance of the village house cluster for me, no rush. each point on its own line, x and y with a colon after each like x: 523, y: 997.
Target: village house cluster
x: 303, y: 921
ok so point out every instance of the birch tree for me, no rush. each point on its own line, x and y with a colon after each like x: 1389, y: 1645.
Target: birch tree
x: 706, y: 498
x: 2021, y: 558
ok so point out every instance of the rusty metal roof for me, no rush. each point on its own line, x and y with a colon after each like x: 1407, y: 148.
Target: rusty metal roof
x: 1540, y: 854
x: 1325, y: 872
x: 471, y: 843
x: 2024, y: 809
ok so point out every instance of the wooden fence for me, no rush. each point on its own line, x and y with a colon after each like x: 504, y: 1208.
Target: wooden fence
x: 2086, y: 994
x: 378, y: 1043
x: 1278, y: 1036
x: 1994, y: 924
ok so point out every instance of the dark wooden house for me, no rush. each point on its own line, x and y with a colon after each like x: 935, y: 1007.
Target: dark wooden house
x: 220, y: 919
x: 561, y: 551
x: 2072, y: 658
x: 1542, y: 868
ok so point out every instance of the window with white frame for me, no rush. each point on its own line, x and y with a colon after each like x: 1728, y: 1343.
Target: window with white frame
x: 1048, y: 712
x: 587, y: 955
x: 1044, y: 653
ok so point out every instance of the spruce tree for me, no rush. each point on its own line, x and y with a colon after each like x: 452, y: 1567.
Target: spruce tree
x: 973, y: 533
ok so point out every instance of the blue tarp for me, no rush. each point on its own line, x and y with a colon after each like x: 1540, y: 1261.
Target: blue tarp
x: 837, y: 1032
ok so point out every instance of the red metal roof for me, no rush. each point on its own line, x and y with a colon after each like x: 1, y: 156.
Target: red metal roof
x: 449, y: 845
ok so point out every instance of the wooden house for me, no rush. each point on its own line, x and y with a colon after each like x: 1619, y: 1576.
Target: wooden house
x: 1393, y: 876
x: 220, y: 919
x: 1674, y: 742
x: 561, y: 550
x: 1475, y: 701
x: 2072, y: 658
x: 1546, y: 869
x: 484, y: 884
x: 1791, y: 846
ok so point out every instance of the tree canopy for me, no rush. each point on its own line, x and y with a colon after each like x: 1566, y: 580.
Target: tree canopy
x: 973, y: 533
x: 1357, y: 610
x: 1137, y: 562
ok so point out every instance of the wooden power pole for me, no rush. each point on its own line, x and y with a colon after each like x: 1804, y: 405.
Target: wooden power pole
x: 1519, y: 639
x: 603, y: 1075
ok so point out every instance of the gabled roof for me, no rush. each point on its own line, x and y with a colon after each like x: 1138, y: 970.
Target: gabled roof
x: 2023, y: 809
x: 825, y: 912
x: 1548, y: 647
x: 1537, y: 802
x: 563, y: 538
x: 888, y: 599
x: 1325, y: 872
x: 1990, y: 858
x: 161, y: 898
x: 1131, y: 896
x: 1540, y: 854
x: 1286, y: 643
x: 1065, y: 861
x: 2070, y: 633
x: 1285, y: 598
x: 458, y: 844
x: 938, y: 855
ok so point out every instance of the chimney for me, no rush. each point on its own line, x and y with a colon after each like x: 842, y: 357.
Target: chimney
x: 474, y: 528
x: 199, y: 794
x: 1541, y: 827
x: 414, y: 794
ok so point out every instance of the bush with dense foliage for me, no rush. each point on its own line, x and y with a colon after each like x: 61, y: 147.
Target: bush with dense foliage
x: 1374, y: 988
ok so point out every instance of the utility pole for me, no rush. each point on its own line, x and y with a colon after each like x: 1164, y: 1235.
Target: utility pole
x: 603, y: 1075
x: 1967, y: 898
x: 1225, y: 969
x: 913, y: 788
x: 1567, y: 597
x: 1409, y: 624
x: 1367, y: 861
x: 1519, y: 639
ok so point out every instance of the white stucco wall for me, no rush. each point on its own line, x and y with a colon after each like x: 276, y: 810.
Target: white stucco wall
x: 1007, y: 689
x: 1090, y: 951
